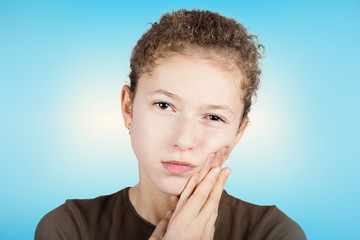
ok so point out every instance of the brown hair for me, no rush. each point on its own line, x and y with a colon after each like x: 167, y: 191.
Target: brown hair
x: 200, y: 31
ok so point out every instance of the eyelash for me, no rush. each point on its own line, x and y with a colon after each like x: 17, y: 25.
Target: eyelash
x: 158, y: 105
x: 218, y: 118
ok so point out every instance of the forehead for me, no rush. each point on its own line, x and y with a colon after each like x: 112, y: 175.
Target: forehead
x: 194, y: 80
x: 195, y: 72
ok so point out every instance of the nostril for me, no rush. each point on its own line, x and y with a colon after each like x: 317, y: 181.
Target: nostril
x: 185, y: 134
x: 183, y: 143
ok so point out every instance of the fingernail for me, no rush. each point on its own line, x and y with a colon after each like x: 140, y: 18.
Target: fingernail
x: 211, y: 158
x: 227, y: 172
x: 217, y: 171
x: 223, y: 151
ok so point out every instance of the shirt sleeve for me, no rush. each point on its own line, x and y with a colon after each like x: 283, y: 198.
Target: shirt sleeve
x: 61, y: 223
x: 281, y: 227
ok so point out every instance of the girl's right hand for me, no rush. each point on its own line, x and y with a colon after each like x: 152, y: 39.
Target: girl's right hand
x: 197, y: 208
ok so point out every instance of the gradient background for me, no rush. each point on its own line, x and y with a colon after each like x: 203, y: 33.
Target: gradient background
x: 62, y: 66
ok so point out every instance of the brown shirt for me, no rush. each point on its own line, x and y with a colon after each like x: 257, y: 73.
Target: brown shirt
x: 114, y: 217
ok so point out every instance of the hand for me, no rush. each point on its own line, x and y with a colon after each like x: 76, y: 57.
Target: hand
x: 196, y: 209
x: 214, y: 159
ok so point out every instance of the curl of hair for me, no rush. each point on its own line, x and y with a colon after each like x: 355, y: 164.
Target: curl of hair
x: 203, y: 32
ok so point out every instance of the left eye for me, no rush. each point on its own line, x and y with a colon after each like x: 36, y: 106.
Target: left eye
x: 214, y: 118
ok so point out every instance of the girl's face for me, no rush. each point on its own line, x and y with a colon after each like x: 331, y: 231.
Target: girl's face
x: 187, y: 109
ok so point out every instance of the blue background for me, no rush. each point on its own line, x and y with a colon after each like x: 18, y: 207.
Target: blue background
x: 62, y: 66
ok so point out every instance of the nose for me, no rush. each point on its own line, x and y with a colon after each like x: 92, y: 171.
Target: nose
x: 186, y: 134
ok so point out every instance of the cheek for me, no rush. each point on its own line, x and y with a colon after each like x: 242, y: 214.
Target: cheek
x: 148, y: 135
x: 216, y: 139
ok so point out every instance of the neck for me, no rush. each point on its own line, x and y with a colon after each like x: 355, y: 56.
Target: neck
x: 149, y: 202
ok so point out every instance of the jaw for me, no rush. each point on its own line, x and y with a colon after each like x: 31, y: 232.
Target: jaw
x: 161, y: 185
x: 149, y: 202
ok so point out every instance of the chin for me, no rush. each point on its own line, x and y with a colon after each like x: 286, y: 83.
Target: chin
x: 173, y: 186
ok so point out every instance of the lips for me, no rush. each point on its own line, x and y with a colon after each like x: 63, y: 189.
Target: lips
x: 176, y: 167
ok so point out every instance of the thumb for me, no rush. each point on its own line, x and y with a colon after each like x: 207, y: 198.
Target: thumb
x: 160, y: 229
x: 173, y: 202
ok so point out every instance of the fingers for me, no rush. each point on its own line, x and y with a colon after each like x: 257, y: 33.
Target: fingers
x: 201, y: 193
x: 203, y: 190
x: 198, y: 203
x: 222, y: 154
x: 215, y: 159
x: 186, y: 193
x: 189, y: 188
x: 212, y: 159
x: 160, y: 229
x: 213, y: 200
x: 209, y: 229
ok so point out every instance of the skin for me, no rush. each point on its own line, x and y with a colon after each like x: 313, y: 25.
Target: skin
x: 172, y: 117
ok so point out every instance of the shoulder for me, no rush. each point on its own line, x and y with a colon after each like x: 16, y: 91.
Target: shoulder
x: 72, y: 219
x: 60, y: 223
x: 96, y: 207
x: 283, y: 227
x: 254, y: 221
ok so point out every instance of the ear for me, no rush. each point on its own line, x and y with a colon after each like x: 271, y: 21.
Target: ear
x: 126, y: 105
x: 241, y: 131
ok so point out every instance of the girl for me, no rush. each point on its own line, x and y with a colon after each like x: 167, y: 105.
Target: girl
x: 193, y: 76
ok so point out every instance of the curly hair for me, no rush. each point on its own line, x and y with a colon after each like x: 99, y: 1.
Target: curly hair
x: 200, y: 32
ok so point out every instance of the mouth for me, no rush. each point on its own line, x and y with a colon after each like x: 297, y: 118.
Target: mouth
x: 176, y: 167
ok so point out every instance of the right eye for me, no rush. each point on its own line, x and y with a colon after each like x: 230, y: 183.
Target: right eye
x: 162, y: 105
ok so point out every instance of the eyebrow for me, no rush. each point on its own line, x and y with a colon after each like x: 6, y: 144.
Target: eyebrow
x: 169, y: 94
x: 176, y: 97
x: 221, y: 107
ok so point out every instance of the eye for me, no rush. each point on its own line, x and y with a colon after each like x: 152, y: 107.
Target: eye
x: 162, y: 105
x: 215, y: 118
